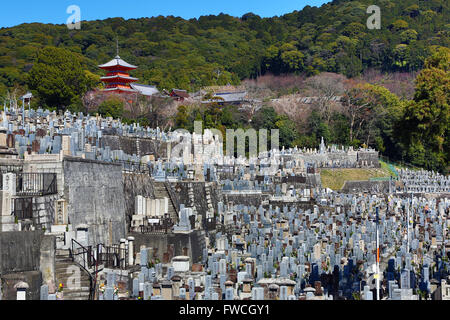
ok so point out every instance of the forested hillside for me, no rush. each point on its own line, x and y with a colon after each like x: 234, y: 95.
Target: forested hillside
x: 176, y: 53
x: 321, y: 52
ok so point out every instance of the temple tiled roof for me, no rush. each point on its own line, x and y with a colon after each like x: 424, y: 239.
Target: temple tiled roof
x: 117, y: 61
x: 145, y: 89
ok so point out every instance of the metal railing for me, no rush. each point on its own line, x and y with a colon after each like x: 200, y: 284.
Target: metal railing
x: 164, y: 227
x: 84, y: 257
x: 155, y: 229
x: 35, y: 184
x: 112, y: 257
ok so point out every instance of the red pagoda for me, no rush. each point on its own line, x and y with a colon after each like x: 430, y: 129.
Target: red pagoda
x: 117, y: 79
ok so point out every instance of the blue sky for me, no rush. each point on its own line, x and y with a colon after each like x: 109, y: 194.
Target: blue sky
x: 54, y: 11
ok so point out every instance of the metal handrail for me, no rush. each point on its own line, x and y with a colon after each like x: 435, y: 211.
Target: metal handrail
x: 86, y: 265
x: 34, y: 184
x: 112, y: 256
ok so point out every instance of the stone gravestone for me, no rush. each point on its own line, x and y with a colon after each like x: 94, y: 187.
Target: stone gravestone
x: 44, y: 292
x: 135, y: 287
x: 229, y: 294
x: 111, y: 279
x: 147, y: 290
x: 170, y: 273
x: 109, y: 293
x: 182, y: 293
x: 283, y: 293
x: 144, y: 257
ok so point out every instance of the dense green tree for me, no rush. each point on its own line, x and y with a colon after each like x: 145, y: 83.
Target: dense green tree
x: 112, y: 107
x: 216, y: 50
x: 424, y: 128
x: 182, y: 118
x: 58, y: 78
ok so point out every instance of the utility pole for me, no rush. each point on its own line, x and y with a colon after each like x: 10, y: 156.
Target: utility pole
x: 23, y: 112
x: 378, y: 254
x: 407, y: 227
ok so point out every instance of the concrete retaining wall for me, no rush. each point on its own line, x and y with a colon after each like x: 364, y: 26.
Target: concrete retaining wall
x: 130, y: 145
x: 172, y: 244
x: 136, y: 185
x: 20, y: 251
x: 366, y: 186
x: 95, y: 196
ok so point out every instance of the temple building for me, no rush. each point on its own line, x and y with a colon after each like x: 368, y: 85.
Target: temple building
x: 118, y: 79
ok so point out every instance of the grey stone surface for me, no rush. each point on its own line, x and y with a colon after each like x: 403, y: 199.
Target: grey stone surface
x: 20, y: 251
x: 94, y: 192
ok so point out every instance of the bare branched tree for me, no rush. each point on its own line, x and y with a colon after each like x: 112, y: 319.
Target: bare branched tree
x: 325, y: 88
x: 358, y: 105
x: 158, y: 111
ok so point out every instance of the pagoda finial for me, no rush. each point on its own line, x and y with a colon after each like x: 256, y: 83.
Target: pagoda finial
x: 117, y: 45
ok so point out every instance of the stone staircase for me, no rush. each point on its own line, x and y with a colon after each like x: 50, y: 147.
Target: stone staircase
x: 161, y: 192
x: 191, y: 195
x: 138, y: 147
x: 65, y: 270
x: 209, y: 200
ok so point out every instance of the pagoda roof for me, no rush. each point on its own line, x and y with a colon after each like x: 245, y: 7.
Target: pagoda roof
x: 118, y: 77
x: 117, y: 61
x: 120, y: 89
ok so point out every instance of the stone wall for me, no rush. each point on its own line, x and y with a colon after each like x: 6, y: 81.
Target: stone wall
x: 350, y: 158
x: 313, y: 180
x: 136, y: 184
x: 172, y: 244
x: 32, y: 278
x: 137, y: 146
x: 20, y: 251
x: 27, y: 256
x: 44, y: 211
x: 245, y: 199
x: 95, y: 195
x: 368, y: 157
x: 181, y: 189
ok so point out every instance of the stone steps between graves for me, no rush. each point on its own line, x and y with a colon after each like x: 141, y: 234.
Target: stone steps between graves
x: 60, y: 263
x: 77, y: 290
x: 83, y: 286
x: 64, y: 273
x: 76, y: 296
x: 62, y: 251
x: 84, y: 279
x: 63, y: 268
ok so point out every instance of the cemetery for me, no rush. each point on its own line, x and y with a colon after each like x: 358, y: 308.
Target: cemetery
x: 96, y: 209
